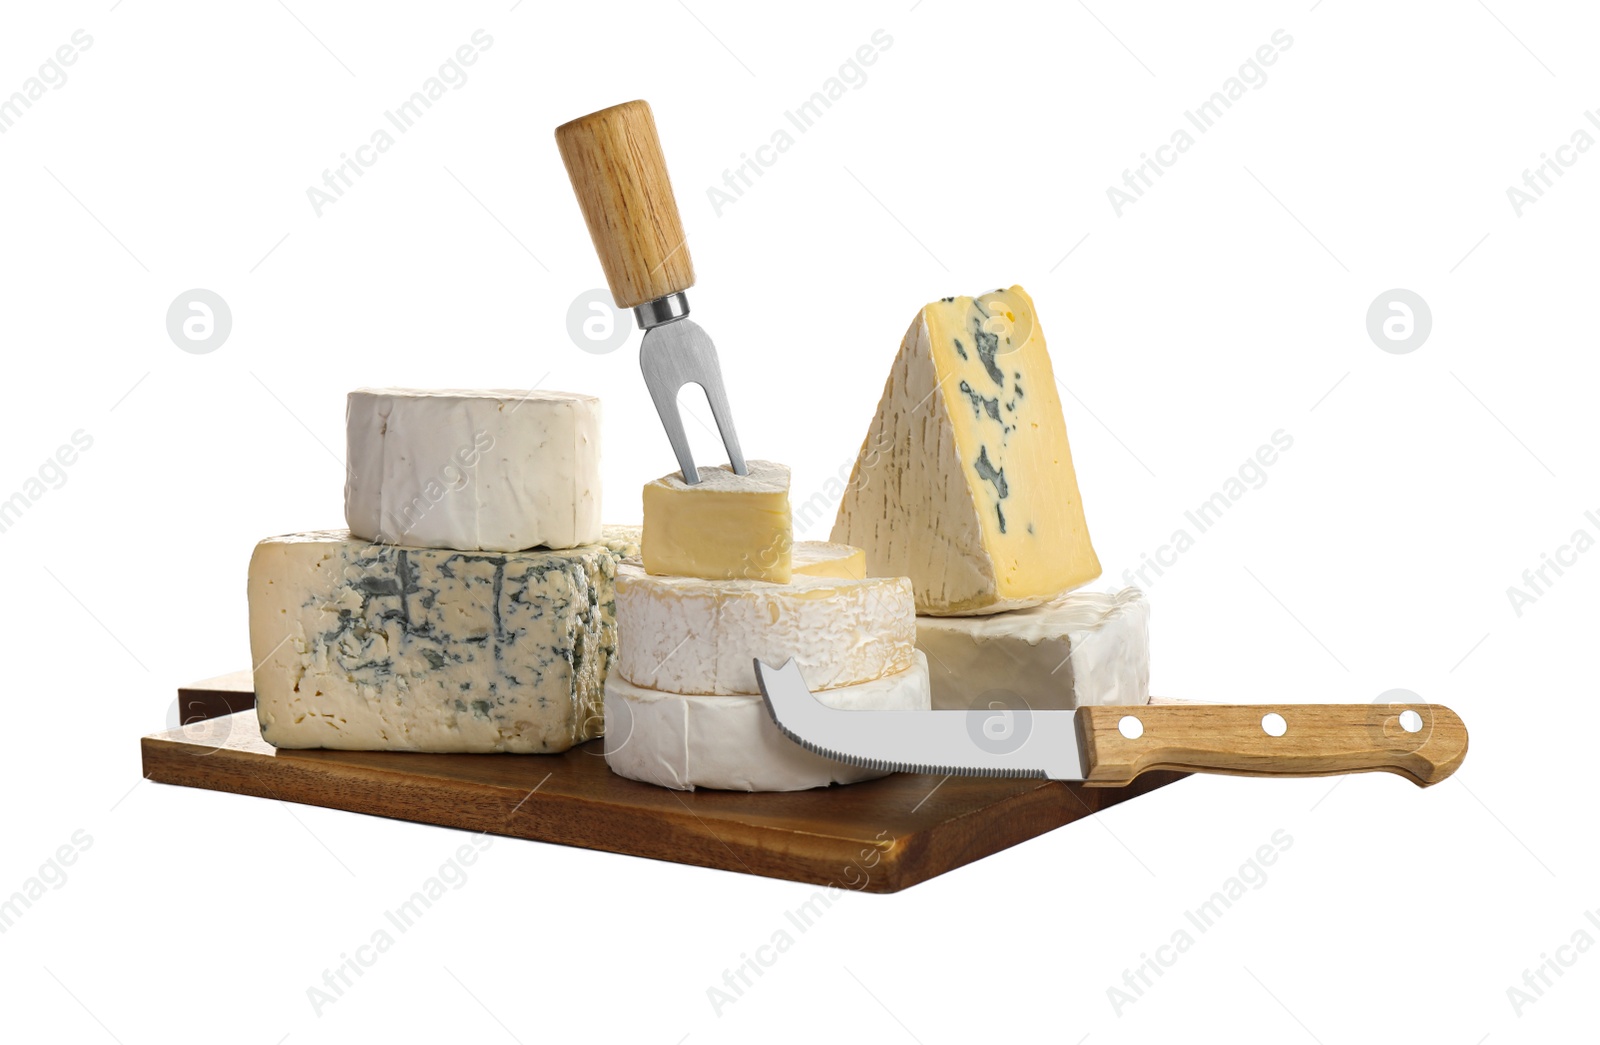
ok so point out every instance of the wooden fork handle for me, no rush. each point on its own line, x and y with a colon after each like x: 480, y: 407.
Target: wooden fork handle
x: 614, y: 161
x: 1318, y: 740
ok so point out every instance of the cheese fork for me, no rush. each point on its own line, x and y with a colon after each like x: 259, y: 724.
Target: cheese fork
x: 613, y: 158
x: 1110, y: 746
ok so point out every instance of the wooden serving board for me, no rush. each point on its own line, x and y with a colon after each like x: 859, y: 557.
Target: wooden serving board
x: 880, y: 836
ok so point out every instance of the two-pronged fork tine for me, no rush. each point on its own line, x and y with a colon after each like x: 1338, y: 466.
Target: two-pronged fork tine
x: 679, y: 353
x: 723, y: 415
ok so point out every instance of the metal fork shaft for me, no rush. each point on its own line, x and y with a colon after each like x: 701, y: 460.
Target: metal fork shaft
x: 676, y: 352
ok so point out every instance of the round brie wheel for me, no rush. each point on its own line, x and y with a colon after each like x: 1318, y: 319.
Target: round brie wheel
x: 692, y: 636
x: 473, y: 469
x: 729, y: 742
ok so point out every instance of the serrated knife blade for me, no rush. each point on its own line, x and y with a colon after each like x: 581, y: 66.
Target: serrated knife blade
x: 986, y: 741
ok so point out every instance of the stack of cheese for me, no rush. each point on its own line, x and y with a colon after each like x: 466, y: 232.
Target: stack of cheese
x: 965, y: 485
x: 470, y: 604
x: 477, y: 604
x: 721, y: 583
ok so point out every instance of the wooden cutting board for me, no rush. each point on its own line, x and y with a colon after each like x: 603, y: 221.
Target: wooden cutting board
x: 880, y: 836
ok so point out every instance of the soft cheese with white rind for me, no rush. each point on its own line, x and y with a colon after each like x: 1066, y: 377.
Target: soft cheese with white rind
x: 1083, y: 648
x: 725, y: 527
x: 730, y: 742
x: 374, y: 647
x: 965, y: 482
x: 693, y: 636
x: 474, y: 470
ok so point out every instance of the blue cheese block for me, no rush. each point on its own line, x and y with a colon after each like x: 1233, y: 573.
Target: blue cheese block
x: 373, y: 647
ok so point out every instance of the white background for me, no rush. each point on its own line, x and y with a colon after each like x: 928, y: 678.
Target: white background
x: 1226, y: 304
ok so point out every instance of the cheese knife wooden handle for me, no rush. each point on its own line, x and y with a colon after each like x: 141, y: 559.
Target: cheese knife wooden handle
x: 613, y: 158
x: 1423, y: 742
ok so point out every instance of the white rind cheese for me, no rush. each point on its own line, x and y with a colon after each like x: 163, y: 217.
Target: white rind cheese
x: 725, y: 527
x: 473, y: 470
x: 1082, y: 649
x: 965, y: 482
x: 694, y: 636
x: 373, y: 647
x: 730, y: 742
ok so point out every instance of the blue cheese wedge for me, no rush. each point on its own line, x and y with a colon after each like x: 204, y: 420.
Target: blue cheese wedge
x: 965, y: 482
x: 374, y: 647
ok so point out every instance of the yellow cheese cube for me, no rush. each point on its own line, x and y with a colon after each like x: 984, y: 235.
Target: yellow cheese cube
x: 725, y: 527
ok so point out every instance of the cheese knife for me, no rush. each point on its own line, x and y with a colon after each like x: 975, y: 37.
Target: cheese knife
x: 613, y: 158
x: 1110, y: 746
